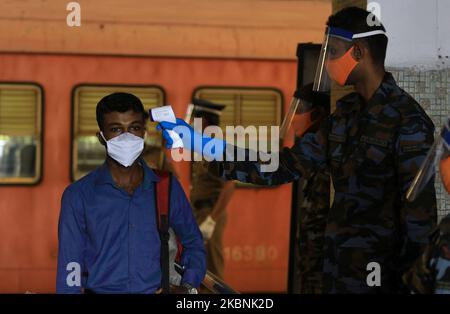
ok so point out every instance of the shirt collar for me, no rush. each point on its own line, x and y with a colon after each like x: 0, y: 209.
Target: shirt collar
x: 353, y: 101
x: 104, y: 175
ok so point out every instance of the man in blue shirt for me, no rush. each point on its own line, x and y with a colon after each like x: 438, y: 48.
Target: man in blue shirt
x: 108, y: 235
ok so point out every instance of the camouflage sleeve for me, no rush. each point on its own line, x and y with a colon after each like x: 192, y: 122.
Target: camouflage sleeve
x: 417, y: 218
x: 301, y: 160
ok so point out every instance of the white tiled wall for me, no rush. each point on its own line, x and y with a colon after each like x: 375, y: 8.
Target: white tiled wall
x: 432, y: 90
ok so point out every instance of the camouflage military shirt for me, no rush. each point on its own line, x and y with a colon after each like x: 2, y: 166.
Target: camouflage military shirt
x: 372, y: 150
x: 431, y: 272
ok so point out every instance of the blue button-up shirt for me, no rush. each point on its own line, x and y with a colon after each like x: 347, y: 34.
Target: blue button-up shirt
x: 113, y: 237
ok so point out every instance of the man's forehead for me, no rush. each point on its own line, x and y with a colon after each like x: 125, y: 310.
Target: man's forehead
x: 127, y: 116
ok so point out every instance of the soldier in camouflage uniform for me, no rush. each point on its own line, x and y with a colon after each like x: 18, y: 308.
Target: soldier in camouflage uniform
x: 431, y: 272
x: 372, y: 145
x: 374, y: 151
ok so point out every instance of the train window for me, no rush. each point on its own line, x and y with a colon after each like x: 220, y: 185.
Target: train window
x: 20, y: 133
x: 87, y: 152
x: 246, y: 107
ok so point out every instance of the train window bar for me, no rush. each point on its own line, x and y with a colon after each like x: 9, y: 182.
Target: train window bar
x: 246, y: 106
x: 21, y: 133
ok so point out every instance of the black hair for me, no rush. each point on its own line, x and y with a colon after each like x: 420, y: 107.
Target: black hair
x: 121, y: 102
x: 212, y: 119
x: 356, y: 20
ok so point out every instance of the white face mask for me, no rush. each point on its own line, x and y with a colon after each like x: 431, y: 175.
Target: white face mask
x: 125, y: 148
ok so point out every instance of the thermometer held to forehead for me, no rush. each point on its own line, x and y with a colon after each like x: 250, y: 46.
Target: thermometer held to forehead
x: 165, y: 113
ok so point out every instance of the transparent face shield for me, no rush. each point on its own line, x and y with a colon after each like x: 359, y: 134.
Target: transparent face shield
x: 336, y: 44
x: 300, y: 112
x: 336, y: 61
x: 438, y: 153
x: 188, y: 118
x: 335, y: 64
x: 299, y: 104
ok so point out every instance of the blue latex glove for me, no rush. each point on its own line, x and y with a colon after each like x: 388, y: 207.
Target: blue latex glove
x: 192, y: 140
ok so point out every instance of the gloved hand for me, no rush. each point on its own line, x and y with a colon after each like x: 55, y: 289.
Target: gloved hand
x: 192, y: 140
x: 184, y: 130
x: 207, y: 228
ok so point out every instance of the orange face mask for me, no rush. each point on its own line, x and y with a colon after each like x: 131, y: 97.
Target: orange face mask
x: 445, y: 173
x: 340, y: 68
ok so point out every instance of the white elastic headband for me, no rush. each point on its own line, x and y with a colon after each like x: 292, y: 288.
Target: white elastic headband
x: 368, y: 34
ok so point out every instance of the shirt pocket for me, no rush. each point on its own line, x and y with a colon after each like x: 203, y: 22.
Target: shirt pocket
x: 372, y: 153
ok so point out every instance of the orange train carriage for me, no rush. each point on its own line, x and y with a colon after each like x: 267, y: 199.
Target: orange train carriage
x: 46, y: 141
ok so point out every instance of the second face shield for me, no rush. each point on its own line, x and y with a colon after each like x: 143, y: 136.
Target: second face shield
x: 438, y: 156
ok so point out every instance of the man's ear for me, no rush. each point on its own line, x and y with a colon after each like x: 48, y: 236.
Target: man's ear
x: 358, y: 51
x: 100, y: 139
